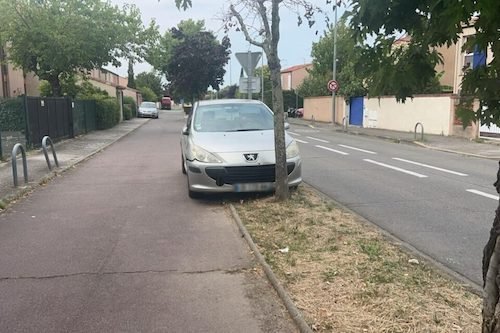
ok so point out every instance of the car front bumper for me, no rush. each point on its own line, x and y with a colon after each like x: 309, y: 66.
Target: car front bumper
x: 204, y: 177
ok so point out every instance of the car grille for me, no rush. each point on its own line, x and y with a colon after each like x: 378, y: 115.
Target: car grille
x: 245, y: 174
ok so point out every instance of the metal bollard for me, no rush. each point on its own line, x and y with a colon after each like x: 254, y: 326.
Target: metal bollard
x: 45, y: 152
x: 422, y: 134
x: 14, y: 163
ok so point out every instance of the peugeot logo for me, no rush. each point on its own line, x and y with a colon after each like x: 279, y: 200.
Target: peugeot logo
x: 251, y: 157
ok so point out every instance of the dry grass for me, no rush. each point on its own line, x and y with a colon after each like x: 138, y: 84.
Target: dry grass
x: 345, y: 277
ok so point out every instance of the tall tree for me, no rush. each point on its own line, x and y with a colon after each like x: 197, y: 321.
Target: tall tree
x: 433, y: 23
x: 266, y: 35
x: 56, y: 38
x: 430, y: 24
x: 196, y: 63
x: 131, y: 78
x: 151, y: 80
x: 348, y: 56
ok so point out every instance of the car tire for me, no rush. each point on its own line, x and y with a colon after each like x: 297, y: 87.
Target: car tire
x: 183, y: 165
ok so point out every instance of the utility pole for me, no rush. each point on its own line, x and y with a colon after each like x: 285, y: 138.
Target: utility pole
x: 334, y: 61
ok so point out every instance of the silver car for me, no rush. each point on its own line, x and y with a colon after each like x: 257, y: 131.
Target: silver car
x: 228, y: 146
x: 147, y: 109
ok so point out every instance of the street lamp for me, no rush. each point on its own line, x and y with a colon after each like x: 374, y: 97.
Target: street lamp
x: 338, y: 2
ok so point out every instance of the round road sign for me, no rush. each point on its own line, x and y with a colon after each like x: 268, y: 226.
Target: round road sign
x: 333, y: 85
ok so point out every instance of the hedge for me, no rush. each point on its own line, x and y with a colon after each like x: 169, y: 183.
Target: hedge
x: 129, y: 108
x: 107, y: 112
x: 12, y: 114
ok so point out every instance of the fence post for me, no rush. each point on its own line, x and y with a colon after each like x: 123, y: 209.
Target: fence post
x: 26, y: 120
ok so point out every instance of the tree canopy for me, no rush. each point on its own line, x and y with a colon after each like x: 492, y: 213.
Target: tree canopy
x: 430, y: 24
x: 56, y: 38
x: 195, y: 61
x: 151, y: 80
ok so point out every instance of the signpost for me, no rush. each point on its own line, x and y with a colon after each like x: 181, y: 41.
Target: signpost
x: 249, y: 61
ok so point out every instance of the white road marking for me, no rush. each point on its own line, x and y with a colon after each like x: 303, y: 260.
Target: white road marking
x: 358, y: 149
x: 333, y: 150
x: 396, y: 168
x: 320, y: 140
x: 293, y: 133
x: 487, y: 195
x: 301, y: 141
x: 431, y: 167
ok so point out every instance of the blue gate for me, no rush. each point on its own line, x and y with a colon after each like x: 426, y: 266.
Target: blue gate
x: 356, y: 111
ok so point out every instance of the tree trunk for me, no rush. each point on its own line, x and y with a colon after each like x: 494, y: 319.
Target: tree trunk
x: 279, y: 114
x: 491, y: 274
x: 55, y: 84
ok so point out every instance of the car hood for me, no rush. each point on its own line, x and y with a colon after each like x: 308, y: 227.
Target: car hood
x: 230, y: 142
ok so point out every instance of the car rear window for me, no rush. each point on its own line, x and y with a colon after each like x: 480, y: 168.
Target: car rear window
x: 232, y: 118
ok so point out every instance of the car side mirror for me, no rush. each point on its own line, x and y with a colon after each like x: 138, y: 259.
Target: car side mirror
x: 287, y: 126
x: 185, y: 130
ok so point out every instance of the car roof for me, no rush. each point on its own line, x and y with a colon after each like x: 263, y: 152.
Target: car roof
x: 229, y: 101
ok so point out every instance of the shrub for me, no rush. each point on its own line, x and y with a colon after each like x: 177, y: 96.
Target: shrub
x: 12, y: 115
x: 107, y: 112
x: 127, y: 112
x: 130, y: 103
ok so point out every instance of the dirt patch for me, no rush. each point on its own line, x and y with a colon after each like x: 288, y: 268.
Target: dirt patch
x: 345, y: 277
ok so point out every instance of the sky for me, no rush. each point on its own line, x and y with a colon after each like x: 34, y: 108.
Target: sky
x: 295, y: 41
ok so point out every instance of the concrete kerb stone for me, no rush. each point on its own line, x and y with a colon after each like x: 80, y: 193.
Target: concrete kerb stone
x: 290, y: 306
x: 7, y: 200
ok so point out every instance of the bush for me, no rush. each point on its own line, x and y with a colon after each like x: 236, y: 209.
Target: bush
x: 127, y: 112
x: 107, y: 112
x: 129, y: 102
x: 12, y: 115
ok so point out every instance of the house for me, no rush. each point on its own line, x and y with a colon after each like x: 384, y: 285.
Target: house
x: 14, y: 82
x: 292, y: 77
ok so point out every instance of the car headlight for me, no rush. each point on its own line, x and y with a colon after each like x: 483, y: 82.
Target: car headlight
x: 200, y: 154
x: 292, y: 150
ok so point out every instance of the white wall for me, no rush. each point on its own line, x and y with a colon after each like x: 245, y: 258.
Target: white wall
x: 434, y: 112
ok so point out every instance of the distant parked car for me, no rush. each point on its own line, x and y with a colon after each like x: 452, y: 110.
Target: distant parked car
x: 228, y: 146
x: 166, y: 103
x: 147, y: 109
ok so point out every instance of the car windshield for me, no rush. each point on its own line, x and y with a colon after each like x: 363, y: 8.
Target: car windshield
x: 148, y: 105
x: 232, y: 118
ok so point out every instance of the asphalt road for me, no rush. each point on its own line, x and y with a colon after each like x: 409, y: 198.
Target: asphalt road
x: 443, y: 204
x: 116, y: 245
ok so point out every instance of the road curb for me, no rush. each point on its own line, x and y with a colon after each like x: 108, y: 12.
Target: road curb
x: 8, y: 199
x: 290, y: 306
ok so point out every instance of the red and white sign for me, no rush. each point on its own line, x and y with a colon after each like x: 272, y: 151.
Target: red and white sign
x: 333, y: 85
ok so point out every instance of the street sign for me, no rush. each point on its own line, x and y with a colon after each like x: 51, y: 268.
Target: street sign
x: 250, y: 82
x: 333, y: 86
x: 248, y: 61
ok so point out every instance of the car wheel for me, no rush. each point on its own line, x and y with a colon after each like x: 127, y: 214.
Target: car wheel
x: 183, y: 165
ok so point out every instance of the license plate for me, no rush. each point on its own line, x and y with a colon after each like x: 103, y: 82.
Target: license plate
x: 253, y: 187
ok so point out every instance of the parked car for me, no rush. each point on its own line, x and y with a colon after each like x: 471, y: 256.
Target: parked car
x: 166, y: 103
x: 228, y: 146
x: 147, y: 109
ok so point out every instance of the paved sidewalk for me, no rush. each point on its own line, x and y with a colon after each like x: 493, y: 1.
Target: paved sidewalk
x: 69, y: 152
x: 484, y: 148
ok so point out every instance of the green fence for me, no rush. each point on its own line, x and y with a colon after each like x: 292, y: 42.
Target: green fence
x: 84, y: 116
x: 12, y: 124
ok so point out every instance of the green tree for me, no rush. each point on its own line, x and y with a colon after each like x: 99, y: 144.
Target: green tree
x: 151, y: 80
x: 196, y: 63
x: 148, y: 94
x: 430, y: 24
x: 131, y: 79
x: 348, y: 57
x: 242, y: 16
x: 57, y: 38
